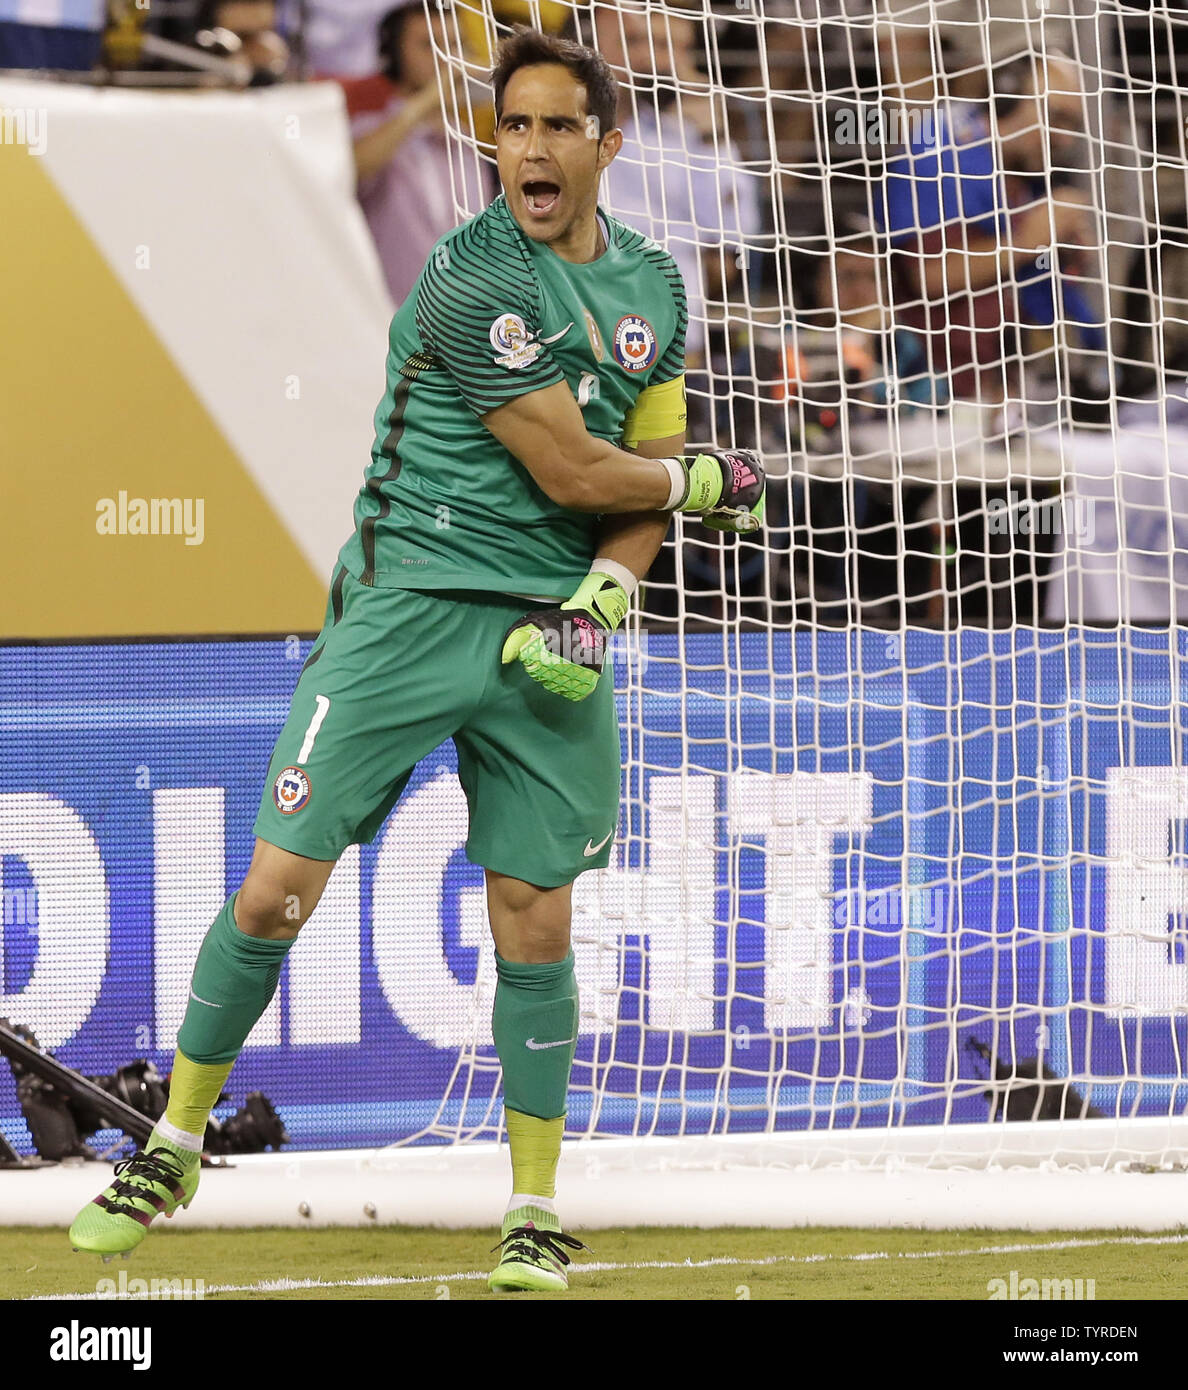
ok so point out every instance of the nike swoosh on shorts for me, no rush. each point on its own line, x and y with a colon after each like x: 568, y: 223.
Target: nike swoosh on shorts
x: 592, y: 848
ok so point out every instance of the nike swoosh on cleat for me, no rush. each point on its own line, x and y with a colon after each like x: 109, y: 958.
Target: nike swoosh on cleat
x: 207, y: 1002
x: 540, y: 1047
x: 592, y: 848
x: 556, y: 337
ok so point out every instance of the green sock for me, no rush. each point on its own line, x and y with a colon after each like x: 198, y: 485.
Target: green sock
x: 235, y: 977
x: 535, y: 1151
x: 193, y: 1092
x: 535, y: 1023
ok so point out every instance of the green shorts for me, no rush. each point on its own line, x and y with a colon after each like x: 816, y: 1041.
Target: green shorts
x: 396, y: 672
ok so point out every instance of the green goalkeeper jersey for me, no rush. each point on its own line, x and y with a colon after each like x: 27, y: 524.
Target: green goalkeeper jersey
x: 495, y: 315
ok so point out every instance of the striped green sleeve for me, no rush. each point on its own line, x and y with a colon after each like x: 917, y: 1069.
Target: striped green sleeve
x: 672, y: 361
x: 478, y: 313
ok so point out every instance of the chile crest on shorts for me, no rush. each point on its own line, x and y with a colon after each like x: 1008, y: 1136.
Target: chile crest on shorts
x: 291, y: 790
x: 635, y: 343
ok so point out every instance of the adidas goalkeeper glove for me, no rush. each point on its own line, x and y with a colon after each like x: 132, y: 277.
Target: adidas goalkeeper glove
x: 563, y: 648
x: 727, y: 488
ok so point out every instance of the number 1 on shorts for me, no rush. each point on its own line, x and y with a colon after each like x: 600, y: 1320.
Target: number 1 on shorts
x: 323, y: 704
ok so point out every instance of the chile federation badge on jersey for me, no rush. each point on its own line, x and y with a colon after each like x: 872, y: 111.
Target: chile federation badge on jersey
x: 635, y: 343
x: 291, y: 791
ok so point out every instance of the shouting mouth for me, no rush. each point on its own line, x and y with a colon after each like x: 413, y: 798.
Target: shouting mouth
x: 541, y: 198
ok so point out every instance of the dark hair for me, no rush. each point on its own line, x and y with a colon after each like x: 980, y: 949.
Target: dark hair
x: 391, y: 39
x: 526, y: 47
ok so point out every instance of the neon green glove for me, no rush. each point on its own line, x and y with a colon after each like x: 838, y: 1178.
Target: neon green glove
x: 726, y: 488
x: 563, y: 648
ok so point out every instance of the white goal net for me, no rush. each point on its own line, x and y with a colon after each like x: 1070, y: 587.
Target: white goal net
x: 904, y: 849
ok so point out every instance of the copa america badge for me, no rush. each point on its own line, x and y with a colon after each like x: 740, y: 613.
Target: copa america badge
x: 635, y: 343
x: 508, y: 332
x: 291, y: 791
x: 514, y: 345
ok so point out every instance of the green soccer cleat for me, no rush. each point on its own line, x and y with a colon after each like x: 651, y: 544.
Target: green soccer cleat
x: 533, y: 1260
x: 146, y: 1185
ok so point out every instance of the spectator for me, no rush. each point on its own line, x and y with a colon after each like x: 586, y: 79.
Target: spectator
x: 849, y: 376
x: 402, y: 159
x: 970, y: 214
x: 789, y: 63
x: 678, y: 178
x: 846, y: 359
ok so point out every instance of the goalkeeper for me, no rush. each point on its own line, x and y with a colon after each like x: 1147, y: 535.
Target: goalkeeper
x: 500, y: 532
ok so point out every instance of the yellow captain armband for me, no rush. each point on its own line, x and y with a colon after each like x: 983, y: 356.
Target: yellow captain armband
x: 659, y: 411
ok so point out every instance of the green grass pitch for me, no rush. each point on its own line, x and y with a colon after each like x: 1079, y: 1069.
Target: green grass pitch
x: 404, y: 1262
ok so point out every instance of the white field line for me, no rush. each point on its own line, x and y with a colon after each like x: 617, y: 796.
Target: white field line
x: 395, y: 1281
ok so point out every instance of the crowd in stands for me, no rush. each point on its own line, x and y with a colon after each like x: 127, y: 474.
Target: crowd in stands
x: 847, y: 275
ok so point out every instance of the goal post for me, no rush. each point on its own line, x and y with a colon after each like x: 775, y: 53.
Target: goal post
x: 902, y: 869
